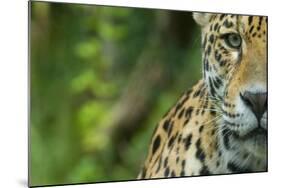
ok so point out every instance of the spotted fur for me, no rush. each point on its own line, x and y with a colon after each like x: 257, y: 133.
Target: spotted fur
x: 212, y: 129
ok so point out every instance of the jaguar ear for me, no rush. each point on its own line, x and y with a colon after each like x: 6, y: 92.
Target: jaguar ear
x: 202, y: 18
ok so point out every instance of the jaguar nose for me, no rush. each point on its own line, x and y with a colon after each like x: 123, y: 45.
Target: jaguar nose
x: 257, y: 102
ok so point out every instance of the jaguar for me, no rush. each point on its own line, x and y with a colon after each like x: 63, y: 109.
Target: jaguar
x: 219, y: 126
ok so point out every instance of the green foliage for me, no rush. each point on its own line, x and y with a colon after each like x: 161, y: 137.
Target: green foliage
x: 83, y: 60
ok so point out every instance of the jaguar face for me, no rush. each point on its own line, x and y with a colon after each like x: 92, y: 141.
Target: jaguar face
x: 235, y: 70
x: 245, y: 96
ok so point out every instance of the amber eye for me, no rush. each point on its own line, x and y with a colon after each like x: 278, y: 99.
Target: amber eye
x: 233, y: 40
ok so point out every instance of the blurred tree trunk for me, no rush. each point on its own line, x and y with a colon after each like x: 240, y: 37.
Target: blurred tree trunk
x: 149, y: 77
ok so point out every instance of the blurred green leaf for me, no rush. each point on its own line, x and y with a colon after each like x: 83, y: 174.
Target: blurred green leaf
x: 89, y: 49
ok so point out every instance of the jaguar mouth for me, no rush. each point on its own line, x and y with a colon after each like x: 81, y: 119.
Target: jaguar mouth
x: 257, y: 133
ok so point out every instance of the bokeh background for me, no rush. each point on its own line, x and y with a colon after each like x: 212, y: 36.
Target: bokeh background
x: 101, y: 78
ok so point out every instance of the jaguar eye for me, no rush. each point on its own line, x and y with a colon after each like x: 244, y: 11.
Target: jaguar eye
x: 233, y: 40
